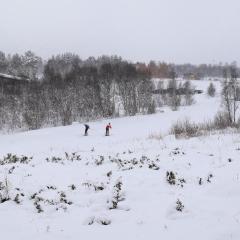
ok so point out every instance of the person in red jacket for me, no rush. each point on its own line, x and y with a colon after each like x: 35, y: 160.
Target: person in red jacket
x: 108, y: 128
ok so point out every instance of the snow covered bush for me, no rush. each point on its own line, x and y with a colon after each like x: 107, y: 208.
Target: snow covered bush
x: 55, y: 160
x: 211, y: 90
x: 67, y: 157
x: 17, y: 198
x: 12, y: 158
x: 49, y: 197
x: 4, y: 191
x: 72, y: 156
x: 117, y: 194
x: 95, y: 186
x: 179, y: 206
x: 102, y: 220
x: 72, y: 187
x: 38, y: 205
x: 171, y: 178
x: 153, y: 166
x: 99, y: 161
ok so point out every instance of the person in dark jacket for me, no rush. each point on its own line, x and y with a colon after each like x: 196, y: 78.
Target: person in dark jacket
x: 86, y: 129
x: 108, y: 128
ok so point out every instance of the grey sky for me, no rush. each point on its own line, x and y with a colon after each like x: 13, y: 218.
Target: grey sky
x: 172, y: 30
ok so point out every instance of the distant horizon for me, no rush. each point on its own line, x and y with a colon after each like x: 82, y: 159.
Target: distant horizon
x: 45, y: 58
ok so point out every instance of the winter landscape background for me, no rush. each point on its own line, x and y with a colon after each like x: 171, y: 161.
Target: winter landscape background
x: 164, y: 74
x: 141, y: 182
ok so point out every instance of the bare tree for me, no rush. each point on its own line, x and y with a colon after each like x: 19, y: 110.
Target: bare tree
x: 188, y: 93
x: 174, y: 99
x: 211, y: 90
x: 231, y: 94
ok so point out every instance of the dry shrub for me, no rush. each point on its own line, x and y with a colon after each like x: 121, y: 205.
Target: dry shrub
x: 185, y: 129
x: 189, y: 129
x: 222, y: 121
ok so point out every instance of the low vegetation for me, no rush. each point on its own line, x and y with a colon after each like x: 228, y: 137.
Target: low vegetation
x: 188, y: 129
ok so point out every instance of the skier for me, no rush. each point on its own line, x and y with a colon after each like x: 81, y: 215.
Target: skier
x: 86, y: 129
x: 107, y: 129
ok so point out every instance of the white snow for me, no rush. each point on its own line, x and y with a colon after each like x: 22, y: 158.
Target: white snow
x: 12, y: 77
x: 147, y: 209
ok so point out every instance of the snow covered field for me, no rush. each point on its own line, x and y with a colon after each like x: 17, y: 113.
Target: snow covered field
x: 117, y: 187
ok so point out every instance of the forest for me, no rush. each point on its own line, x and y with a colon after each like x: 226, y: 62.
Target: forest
x: 65, y: 88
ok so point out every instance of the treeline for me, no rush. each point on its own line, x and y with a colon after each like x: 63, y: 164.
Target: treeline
x: 66, y: 88
x: 104, y: 84
x: 31, y: 66
x: 75, y: 90
x: 187, y: 71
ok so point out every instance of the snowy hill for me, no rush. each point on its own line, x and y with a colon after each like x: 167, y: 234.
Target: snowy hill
x: 139, y: 183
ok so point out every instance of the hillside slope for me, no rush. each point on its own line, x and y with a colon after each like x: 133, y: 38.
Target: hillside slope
x: 120, y: 187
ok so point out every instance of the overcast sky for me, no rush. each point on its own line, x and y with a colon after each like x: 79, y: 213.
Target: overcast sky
x: 196, y: 31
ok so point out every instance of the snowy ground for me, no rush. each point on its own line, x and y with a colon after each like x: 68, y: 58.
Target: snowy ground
x: 116, y: 187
